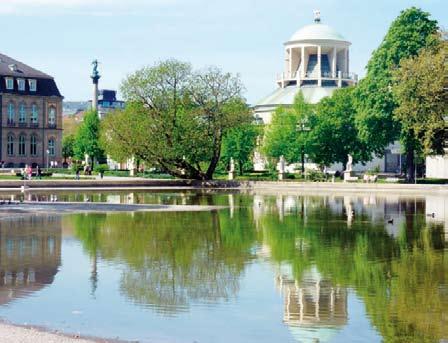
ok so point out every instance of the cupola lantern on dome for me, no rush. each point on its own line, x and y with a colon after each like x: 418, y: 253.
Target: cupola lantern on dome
x: 316, y: 16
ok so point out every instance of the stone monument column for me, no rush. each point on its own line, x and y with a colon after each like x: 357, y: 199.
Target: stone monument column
x: 95, y: 78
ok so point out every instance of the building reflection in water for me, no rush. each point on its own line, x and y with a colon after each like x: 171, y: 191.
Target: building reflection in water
x: 314, y: 308
x: 30, y: 255
x: 389, y: 210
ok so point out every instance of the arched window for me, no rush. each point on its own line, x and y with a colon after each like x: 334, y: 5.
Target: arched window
x: 34, y: 114
x: 10, y: 145
x: 52, y: 116
x: 22, y: 142
x: 51, y: 147
x: 22, y: 113
x: 11, y: 113
x: 33, y: 145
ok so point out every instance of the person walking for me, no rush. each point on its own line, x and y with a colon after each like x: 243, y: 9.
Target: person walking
x: 39, y: 173
x: 29, y: 172
x: 77, y: 173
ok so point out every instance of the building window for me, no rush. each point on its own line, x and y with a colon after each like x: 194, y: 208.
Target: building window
x: 22, y: 113
x: 9, y: 83
x: 11, y: 113
x: 52, y: 116
x: 51, y: 147
x: 33, y: 85
x: 22, y: 145
x: 34, y: 114
x: 10, y: 145
x: 21, y: 84
x: 33, y: 145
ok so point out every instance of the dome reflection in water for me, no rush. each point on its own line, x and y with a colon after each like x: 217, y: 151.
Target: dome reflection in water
x: 297, y: 268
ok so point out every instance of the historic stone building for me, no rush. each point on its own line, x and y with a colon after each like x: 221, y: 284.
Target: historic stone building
x: 31, y: 121
x: 316, y: 63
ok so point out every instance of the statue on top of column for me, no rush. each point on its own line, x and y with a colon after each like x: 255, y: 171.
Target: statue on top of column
x: 95, y: 73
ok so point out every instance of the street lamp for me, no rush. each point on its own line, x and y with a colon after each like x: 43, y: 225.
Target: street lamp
x: 301, y: 127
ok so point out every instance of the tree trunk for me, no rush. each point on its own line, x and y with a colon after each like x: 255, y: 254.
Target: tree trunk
x: 241, y: 167
x: 213, y: 164
x: 410, y: 166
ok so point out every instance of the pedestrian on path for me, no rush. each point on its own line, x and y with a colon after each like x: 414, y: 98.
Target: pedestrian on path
x: 39, y: 173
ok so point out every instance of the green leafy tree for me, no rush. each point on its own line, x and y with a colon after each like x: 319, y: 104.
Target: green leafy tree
x: 420, y: 90
x: 284, y: 136
x: 124, y: 134
x: 239, y: 144
x: 182, y: 117
x: 68, y: 144
x: 87, y: 138
x: 333, y: 134
x: 410, y: 32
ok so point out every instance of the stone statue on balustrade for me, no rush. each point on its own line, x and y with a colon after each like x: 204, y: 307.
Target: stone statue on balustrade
x: 282, y: 168
x: 348, y: 173
x: 349, y: 166
x: 232, y: 172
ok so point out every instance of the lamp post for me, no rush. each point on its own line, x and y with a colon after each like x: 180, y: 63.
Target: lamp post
x: 301, y: 127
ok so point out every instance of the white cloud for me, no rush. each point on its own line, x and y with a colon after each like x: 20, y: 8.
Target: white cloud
x: 92, y: 7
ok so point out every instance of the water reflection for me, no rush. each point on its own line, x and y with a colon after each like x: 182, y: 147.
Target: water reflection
x: 314, y: 308
x: 171, y: 260
x: 30, y: 255
x: 388, y: 252
x: 385, y: 250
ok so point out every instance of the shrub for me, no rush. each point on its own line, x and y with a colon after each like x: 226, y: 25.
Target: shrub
x: 101, y: 168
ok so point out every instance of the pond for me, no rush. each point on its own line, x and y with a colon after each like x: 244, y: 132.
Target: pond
x: 268, y: 268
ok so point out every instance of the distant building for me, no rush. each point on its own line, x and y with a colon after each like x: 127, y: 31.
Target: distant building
x: 31, y: 124
x: 107, y: 102
x: 73, y: 107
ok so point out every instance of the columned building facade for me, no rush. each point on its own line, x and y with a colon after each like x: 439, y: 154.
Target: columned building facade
x: 31, y: 116
x: 316, y: 63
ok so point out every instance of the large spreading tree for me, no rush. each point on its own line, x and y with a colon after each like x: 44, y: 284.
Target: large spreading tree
x: 411, y: 31
x: 176, y: 118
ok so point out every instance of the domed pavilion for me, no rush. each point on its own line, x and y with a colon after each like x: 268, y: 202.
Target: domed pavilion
x: 317, y: 61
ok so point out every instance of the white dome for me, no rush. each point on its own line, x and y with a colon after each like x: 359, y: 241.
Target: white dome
x: 317, y: 32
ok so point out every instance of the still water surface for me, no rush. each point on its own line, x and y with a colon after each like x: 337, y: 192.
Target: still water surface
x: 266, y: 269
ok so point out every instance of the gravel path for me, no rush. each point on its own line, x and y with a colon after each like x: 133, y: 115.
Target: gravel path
x: 16, y: 334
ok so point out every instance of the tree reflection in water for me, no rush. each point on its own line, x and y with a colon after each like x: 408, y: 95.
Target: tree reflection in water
x: 399, y: 269
x: 403, y: 281
x: 171, y: 259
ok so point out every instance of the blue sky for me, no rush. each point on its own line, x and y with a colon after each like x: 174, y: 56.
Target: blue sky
x: 62, y: 37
